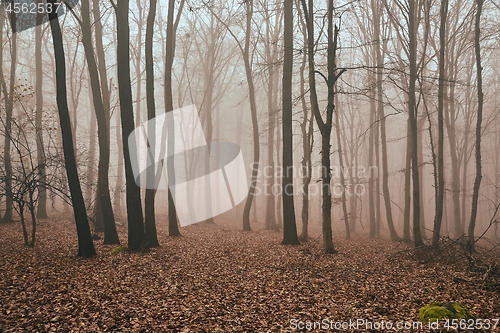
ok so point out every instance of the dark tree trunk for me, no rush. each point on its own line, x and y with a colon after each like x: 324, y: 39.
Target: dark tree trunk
x: 173, y: 228
x: 110, y: 233
x: 381, y: 115
x: 477, y: 181
x: 441, y: 97
x: 85, y: 243
x: 150, y: 223
x: 289, y: 223
x: 325, y: 130
x: 135, y: 218
x: 9, y: 107
x: 42, y: 188
x: 412, y: 110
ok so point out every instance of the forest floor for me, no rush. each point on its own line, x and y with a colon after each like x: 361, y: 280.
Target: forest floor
x: 217, y: 278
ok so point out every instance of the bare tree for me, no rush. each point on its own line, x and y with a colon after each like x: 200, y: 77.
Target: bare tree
x: 136, y: 240
x: 8, y: 93
x: 149, y: 203
x: 169, y: 105
x: 289, y: 224
x: 480, y: 100
x: 42, y: 200
x: 85, y: 243
x: 110, y: 233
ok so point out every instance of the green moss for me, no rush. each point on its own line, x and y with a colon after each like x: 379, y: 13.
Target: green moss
x: 118, y: 249
x: 438, y: 310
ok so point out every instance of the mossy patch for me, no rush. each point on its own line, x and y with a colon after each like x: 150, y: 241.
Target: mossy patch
x: 439, y: 310
x: 118, y: 249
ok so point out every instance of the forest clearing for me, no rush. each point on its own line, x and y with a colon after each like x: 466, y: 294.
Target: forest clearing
x: 217, y: 278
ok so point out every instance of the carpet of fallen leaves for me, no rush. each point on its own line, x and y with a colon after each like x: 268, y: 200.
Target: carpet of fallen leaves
x: 217, y: 278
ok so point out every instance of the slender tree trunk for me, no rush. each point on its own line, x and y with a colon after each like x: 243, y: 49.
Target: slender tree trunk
x: 325, y: 127
x: 253, y: 110
x: 412, y: 110
x: 9, y: 108
x: 135, y: 218
x: 40, y: 154
x: 479, y: 75
x: 173, y: 228
x: 150, y: 224
x: 371, y: 159
x: 110, y: 233
x: 383, y: 136
x: 85, y: 243
x: 307, y: 128
x: 441, y: 98
x: 289, y: 223
x: 90, y: 177
x: 407, y: 191
x: 455, y: 162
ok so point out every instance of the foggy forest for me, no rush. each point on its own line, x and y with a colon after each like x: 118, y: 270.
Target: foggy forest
x: 249, y: 166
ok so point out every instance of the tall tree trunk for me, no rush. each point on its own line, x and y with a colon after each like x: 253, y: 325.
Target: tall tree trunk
x: 407, y: 191
x: 441, y: 98
x: 455, y: 161
x: 371, y: 159
x: 110, y: 233
x: 40, y: 154
x: 325, y: 128
x: 90, y: 176
x: 289, y: 223
x: 253, y: 111
x: 135, y: 218
x: 307, y: 128
x: 150, y: 224
x: 412, y: 110
x: 173, y: 228
x: 9, y: 108
x: 480, y: 97
x: 381, y: 116
x: 85, y: 243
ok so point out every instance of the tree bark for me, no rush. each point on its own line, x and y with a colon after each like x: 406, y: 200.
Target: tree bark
x: 477, y: 181
x: 136, y: 239
x: 110, y: 233
x: 441, y: 97
x: 412, y: 110
x: 85, y: 243
x: 42, y: 188
x: 150, y: 224
x: 253, y: 111
x: 383, y: 136
x: 289, y: 223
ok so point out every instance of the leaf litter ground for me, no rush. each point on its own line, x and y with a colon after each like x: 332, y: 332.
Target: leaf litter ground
x: 217, y: 278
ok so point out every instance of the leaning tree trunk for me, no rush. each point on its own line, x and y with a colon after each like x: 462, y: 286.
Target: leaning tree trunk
x: 85, y: 243
x: 110, y: 233
x: 253, y: 111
